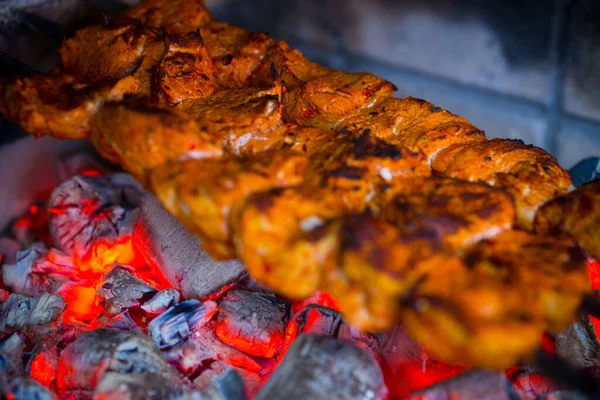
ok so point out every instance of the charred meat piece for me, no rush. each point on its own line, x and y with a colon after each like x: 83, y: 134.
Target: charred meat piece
x: 494, y: 301
x: 416, y: 124
x: 529, y: 174
x: 186, y: 71
x: 381, y: 257
x: 331, y: 97
x: 204, y: 194
x: 53, y: 105
x: 574, y: 215
x: 173, y: 16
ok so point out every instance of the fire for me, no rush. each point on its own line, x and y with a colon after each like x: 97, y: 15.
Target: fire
x: 103, y: 255
x: 43, y: 370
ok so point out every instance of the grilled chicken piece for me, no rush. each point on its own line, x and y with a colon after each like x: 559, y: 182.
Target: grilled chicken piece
x: 489, y: 306
x: 204, y: 194
x: 54, y: 105
x: 416, y: 124
x: 381, y: 255
x: 173, y: 16
x: 185, y: 72
x: 529, y: 174
x: 575, y: 215
x: 281, y: 235
x: 329, y: 98
x: 144, y: 136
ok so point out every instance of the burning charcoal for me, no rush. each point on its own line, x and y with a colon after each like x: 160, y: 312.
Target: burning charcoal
x: 11, y: 362
x: 161, y: 301
x: 529, y: 383
x: 578, y: 344
x: 121, y: 289
x: 408, y: 366
x: 8, y: 250
x: 250, y: 380
x: 37, y: 271
x: 318, y: 320
x: 322, y: 367
x: 85, y: 210
x: 83, y: 363
x: 43, y: 363
x: 27, y: 389
x: 33, y: 315
x: 17, y: 277
x: 252, y: 322
x: 184, y: 265
x: 347, y: 333
x: 179, y: 322
x: 134, y: 386
x: 228, y: 386
x: 122, y: 321
x: 473, y: 385
x: 203, y: 347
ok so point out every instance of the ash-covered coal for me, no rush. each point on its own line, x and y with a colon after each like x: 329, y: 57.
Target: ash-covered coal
x: 85, y: 210
x: 31, y: 316
x: 11, y: 359
x: 83, y: 363
x: 179, y: 322
x: 27, y: 389
x: 161, y: 301
x: 318, y: 367
x: 579, y: 344
x: 252, y: 322
x: 122, y: 289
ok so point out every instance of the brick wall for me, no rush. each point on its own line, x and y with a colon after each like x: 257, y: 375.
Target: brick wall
x: 519, y: 69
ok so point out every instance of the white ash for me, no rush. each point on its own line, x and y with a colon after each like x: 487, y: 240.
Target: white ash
x: 179, y: 322
x: 11, y: 359
x: 318, y: 367
x: 32, y: 316
x: 121, y: 290
x: 84, y: 210
x: 27, y: 389
x: 37, y: 271
x: 161, y: 301
x: 83, y: 363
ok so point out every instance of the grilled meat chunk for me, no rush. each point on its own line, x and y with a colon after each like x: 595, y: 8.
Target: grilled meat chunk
x: 174, y: 16
x: 575, y: 215
x: 489, y: 306
x: 529, y: 174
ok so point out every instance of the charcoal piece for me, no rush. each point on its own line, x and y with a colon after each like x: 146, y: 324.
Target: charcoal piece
x: 11, y: 361
x: 578, y: 344
x: 83, y: 362
x: 122, y: 321
x: 528, y: 382
x: 251, y: 381
x: 43, y: 362
x: 33, y: 316
x: 8, y: 250
x: 228, y: 386
x: 135, y: 386
x: 161, y: 301
x: 27, y: 389
x: 349, y: 334
x: 87, y: 209
x: 17, y: 276
x: 317, y: 367
x: 176, y: 254
x: 179, y: 322
x: 472, y: 385
x: 585, y: 171
x: 318, y: 320
x: 252, y: 322
x: 564, y: 395
x: 121, y: 290
x: 203, y: 347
